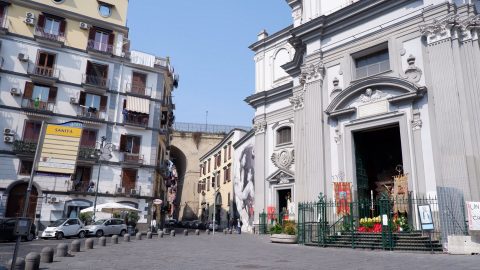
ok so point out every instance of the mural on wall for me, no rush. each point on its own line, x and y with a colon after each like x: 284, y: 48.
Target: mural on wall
x: 244, y: 184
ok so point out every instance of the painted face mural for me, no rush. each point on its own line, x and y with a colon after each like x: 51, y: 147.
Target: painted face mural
x: 244, y: 186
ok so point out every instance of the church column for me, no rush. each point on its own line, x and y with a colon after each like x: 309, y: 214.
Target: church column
x: 260, y: 125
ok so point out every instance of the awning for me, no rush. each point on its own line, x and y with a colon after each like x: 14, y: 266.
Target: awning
x: 140, y: 105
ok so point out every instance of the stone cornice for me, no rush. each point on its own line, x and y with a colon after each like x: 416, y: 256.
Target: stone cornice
x: 267, y: 97
x: 282, y: 34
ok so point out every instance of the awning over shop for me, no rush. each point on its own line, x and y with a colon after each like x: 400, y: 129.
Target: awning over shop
x: 140, y: 105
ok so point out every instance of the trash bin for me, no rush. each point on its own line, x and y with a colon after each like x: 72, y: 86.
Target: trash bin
x: 131, y: 230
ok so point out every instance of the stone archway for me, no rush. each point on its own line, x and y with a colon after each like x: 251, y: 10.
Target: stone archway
x: 179, y: 159
x: 16, y: 199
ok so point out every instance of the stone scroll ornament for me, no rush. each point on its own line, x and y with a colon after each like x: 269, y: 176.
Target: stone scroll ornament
x: 412, y: 73
x: 283, y: 159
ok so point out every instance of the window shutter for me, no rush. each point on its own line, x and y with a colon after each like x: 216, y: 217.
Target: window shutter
x: 123, y: 143
x: 52, y: 94
x: 82, y: 98
x: 28, y: 92
x: 111, y: 39
x: 41, y: 20
x: 136, y: 145
x: 63, y: 25
x: 103, y: 103
x: 91, y: 34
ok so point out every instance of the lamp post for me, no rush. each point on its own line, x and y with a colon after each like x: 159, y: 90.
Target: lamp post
x: 104, y: 152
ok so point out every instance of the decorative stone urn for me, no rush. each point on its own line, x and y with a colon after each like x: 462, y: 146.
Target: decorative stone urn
x: 283, y: 238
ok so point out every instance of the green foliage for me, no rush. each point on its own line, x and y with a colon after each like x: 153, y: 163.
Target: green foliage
x: 276, y: 229
x: 117, y: 215
x: 290, y: 228
x: 133, y: 218
x: 86, y: 217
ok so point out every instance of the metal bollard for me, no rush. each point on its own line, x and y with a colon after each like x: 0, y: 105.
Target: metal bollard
x: 115, y: 239
x: 172, y: 233
x: 46, y: 256
x: 32, y: 261
x: 19, y: 264
x: 126, y: 238
x: 89, y: 243
x: 197, y: 232
x: 102, y: 241
x: 75, y: 246
x: 185, y: 232
x: 62, y: 250
x: 160, y: 234
x: 149, y: 235
x: 138, y: 236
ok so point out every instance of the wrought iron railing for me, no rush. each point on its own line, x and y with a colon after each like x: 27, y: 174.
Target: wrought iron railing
x: 91, y: 112
x: 138, y: 89
x: 95, y: 80
x: 24, y: 147
x: 100, y: 46
x: 39, y: 105
x: 133, y: 158
x: 206, y: 128
x: 43, y: 71
x: 40, y: 32
x: 135, y: 119
x: 87, y: 153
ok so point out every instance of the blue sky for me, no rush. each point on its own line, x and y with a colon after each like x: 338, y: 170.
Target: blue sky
x: 207, y: 41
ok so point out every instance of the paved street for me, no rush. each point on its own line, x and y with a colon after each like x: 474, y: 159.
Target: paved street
x: 246, y: 252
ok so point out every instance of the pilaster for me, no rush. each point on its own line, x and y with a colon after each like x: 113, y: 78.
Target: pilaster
x: 260, y: 125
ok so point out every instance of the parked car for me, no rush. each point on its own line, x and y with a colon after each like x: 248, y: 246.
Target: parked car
x: 171, y: 222
x: 211, y: 226
x: 197, y: 224
x: 184, y: 224
x: 65, y: 227
x: 108, y: 226
x: 7, y: 228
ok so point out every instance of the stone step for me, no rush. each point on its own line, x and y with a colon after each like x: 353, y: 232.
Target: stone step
x: 399, y: 248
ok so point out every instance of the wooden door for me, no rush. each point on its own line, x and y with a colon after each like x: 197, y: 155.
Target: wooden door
x: 139, y: 83
x: 45, y: 63
x: 16, y: 200
x: 129, y: 179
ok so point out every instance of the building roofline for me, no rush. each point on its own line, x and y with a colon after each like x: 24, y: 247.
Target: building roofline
x: 216, y: 147
x: 245, y: 138
x: 269, y: 96
x: 271, y: 39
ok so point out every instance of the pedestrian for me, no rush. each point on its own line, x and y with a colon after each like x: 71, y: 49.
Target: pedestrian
x: 239, y: 225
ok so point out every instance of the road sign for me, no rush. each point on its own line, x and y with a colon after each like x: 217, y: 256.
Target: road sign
x: 157, y: 201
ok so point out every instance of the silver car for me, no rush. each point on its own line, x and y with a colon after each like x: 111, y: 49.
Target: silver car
x: 109, y: 226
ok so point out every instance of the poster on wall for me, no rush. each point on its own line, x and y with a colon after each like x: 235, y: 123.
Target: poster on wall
x: 473, y: 209
x: 244, y: 184
x: 343, y: 197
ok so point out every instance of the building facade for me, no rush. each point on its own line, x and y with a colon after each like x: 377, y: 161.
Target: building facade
x: 69, y: 60
x: 215, y: 186
x: 370, y: 90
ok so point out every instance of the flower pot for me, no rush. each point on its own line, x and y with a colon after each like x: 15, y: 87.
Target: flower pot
x: 283, y: 238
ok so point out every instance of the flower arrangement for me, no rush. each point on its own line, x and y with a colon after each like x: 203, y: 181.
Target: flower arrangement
x: 370, y: 224
x: 401, y: 223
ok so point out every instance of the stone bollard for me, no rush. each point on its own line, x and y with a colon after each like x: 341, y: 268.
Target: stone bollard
x: 19, y: 264
x: 160, y: 234
x: 115, y: 239
x: 62, y: 250
x: 165, y: 231
x: 126, y: 238
x: 149, y: 235
x: 208, y: 232
x: 102, y: 241
x: 172, y: 233
x: 185, y: 232
x: 225, y: 231
x: 138, y: 236
x: 46, y: 256
x: 197, y: 232
x: 89, y: 243
x: 230, y: 231
x: 75, y: 246
x: 32, y: 261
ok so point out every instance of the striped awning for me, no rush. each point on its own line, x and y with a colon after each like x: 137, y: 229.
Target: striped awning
x: 140, y: 105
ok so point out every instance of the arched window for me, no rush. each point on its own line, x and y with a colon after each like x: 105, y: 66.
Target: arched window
x: 284, y: 135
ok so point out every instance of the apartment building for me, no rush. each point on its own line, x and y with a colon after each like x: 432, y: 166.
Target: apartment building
x: 70, y: 60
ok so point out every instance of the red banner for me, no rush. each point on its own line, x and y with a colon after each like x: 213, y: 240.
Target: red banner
x: 271, y: 213
x: 343, y: 197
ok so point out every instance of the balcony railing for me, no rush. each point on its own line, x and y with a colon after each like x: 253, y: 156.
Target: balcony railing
x: 135, y: 119
x: 24, y: 147
x: 42, y: 71
x: 132, y: 158
x: 90, y: 112
x: 95, y: 80
x: 140, y: 90
x: 82, y: 186
x: 131, y: 191
x: 28, y: 103
x: 99, y: 47
x: 40, y: 32
x: 86, y: 153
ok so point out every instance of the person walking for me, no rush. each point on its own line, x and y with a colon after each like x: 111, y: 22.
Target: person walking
x: 239, y: 225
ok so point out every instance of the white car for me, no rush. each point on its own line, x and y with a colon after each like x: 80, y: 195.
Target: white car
x: 65, y: 227
x: 107, y: 227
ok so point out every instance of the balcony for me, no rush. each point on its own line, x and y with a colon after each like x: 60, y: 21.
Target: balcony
x: 57, y: 39
x: 101, y: 48
x: 80, y: 187
x: 38, y: 105
x: 87, y: 153
x: 24, y: 148
x: 134, y: 119
x: 91, y: 113
x: 139, y: 90
x: 132, y: 158
x: 42, y: 74
x: 95, y: 83
x: 128, y: 191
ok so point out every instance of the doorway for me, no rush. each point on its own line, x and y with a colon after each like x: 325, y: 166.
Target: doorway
x: 16, y: 200
x: 282, y: 199
x: 378, y: 157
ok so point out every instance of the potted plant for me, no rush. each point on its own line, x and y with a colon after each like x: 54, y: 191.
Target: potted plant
x: 286, y: 234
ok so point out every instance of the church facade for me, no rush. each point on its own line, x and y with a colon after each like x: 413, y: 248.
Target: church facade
x: 360, y: 92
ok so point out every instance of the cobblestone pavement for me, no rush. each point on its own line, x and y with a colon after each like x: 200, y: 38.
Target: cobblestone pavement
x: 247, y: 252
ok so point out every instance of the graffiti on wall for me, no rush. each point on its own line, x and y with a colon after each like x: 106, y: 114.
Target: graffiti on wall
x: 244, y: 184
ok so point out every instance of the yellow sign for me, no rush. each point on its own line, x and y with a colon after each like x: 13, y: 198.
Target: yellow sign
x: 60, y: 149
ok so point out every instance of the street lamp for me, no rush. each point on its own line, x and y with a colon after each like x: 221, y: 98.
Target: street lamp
x: 103, y: 152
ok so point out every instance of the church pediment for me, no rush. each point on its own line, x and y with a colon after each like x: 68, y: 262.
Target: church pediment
x: 378, y: 91
x: 281, y: 176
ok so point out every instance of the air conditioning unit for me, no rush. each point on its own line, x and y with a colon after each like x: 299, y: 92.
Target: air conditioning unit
x: 133, y: 192
x: 29, y: 21
x: 23, y: 57
x: 84, y: 26
x: 7, y: 131
x: 15, y: 92
x: 30, y: 15
x: 73, y: 100
x: 8, y: 138
x: 120, y: 190
x: 53, y: 200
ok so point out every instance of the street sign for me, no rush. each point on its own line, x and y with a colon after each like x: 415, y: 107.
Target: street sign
x: 473, y: 209
x: 157, y: 201
x: 59, y: 150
